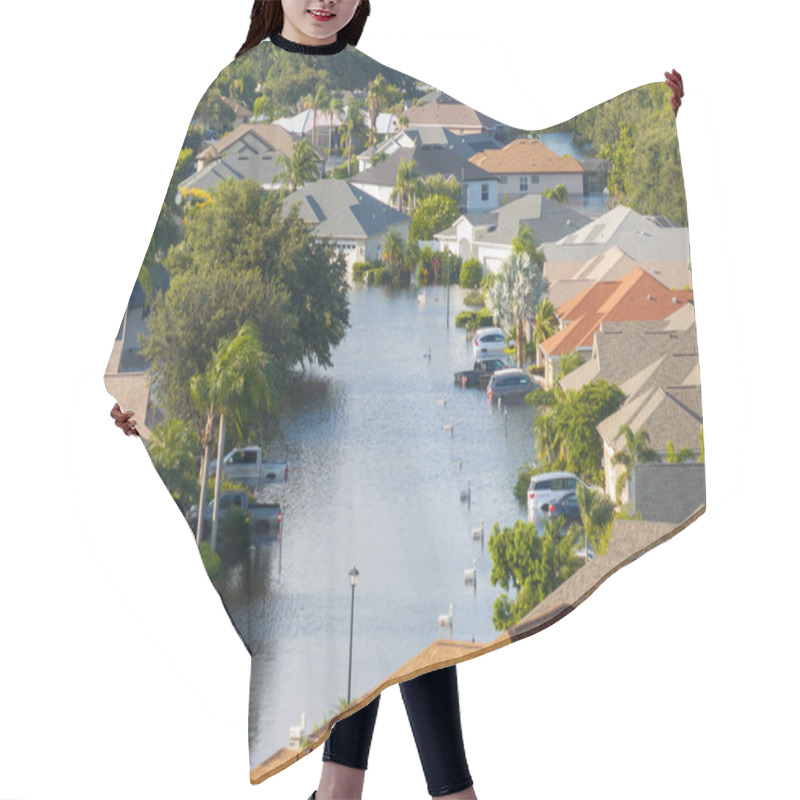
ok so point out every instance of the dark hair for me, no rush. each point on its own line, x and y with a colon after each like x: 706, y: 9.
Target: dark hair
x: 266, y: 19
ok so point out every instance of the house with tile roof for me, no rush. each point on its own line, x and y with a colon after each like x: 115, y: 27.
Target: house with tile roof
x: 355, y: 220
x: 478, y: 188
x: 568, y: 279
x: 637, y: 296
x: 528, y: 166
x: 487, y: 236
x: 643, y: 238
x: 249, y: 151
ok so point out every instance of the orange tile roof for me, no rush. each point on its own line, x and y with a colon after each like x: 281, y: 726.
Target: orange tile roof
x: 637, y: 296
x: 525, y: 155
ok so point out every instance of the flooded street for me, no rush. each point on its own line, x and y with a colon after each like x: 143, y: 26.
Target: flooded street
x: 376, y: 482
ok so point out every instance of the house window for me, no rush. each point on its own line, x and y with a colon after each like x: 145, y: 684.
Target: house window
x: 523, y: 183
x: 534, y: 179
x: 465, y: 195
x: 484, y: 192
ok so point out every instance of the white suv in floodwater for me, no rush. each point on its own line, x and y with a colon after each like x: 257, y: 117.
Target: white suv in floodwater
x: 547, y: 488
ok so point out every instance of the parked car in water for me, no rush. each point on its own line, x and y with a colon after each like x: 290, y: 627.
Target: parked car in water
x: 565, y: 506
x: 481, y: 372
x: 509, y: 384
x: 487, y: 341
x: 265, y: 518
x: 249, y: 464
x: 547, y: 489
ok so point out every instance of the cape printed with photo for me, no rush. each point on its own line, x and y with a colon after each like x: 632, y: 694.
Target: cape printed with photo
x: 419, y: 381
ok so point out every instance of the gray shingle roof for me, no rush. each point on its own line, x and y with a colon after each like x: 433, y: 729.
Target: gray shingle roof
x: 430, y: 161
x: 638, y: 236
x: 337, y: 208
x: 547, y: 219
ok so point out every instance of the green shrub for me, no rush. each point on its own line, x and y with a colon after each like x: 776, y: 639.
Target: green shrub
x: 472, y: 320
x: 360, y: 268
x: 474, y: 299
x: 471, y: 274
x: 210, y: 560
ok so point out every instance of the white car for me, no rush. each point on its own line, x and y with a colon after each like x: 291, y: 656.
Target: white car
x: 488, y: 341
x: 546, y: 489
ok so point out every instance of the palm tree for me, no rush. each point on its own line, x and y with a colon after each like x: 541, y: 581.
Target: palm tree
x: 597, y: 514
x: 392, y: 253
x: 558, y: 193
x: 334, y: 107
x: 320, y: 99
x: 513, y: 296
x: 545, y: 324
x: 376, y: 97
x: 525, y: 242
x: 352, y: 127
x: 239, y: 383
x: 408, y: 186
x: 301, y: 168
x: 684, y: 454
x: 549, y: 444
x: 637, y: 450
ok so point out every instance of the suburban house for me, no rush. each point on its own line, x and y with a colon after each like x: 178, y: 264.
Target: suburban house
x: 487, y: 236
x: 355, y: 220
x: 241, y: 112
x: 570, y: 278
x: 463, y: 145
x: 249, y: 151
x: 456, y: 117
x: 655, y: 364
x: 526, y: 165
x: 643, y: 238
x: 637, y: 296
x: 478, y: 188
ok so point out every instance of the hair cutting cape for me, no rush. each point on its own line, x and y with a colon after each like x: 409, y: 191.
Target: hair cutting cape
x: 400, y: 489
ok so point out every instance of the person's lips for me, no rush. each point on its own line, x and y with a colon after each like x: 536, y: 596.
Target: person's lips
x: 321, y: 15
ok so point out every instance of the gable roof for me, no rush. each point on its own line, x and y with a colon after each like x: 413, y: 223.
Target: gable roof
x: 547, y: 219
x: 638, y: 296
x: 430, y: 161
x: 525, y: 155
x: 640, y: 237
x: 449, y: 114
x: 273, y: 137
x: 238, y: 108
x: 338, y: 209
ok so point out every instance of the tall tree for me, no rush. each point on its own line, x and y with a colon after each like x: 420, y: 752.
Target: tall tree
x: 514, y: 295
x: 352, y: 128
x: 301, y: 168
x: 545, y: 324
x: 637, y: 450
x: 597, y: 515
x: 173, y: 449
x: 407, y: 186
x: 239, y: 384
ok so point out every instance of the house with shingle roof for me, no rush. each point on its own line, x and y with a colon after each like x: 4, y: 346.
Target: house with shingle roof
x: 637, y: 296
x: 478, y: 189
x: 250, y: 151
x: 487, y: 236
x: 655, y: 364
x: 241, y: 112
x: 454, y: 116
x: 355, y: 220
x: 528, y: 166
x: 643, y: 238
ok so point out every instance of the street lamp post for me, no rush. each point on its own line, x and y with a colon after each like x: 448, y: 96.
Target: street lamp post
x: 353, y: 582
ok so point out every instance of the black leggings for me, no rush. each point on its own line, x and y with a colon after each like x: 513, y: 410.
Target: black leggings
x: 432, y: 706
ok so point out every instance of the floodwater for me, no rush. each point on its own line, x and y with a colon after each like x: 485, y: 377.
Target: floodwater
x: 375, y: 482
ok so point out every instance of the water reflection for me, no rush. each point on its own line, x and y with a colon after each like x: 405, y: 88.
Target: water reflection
x: 375, y: 481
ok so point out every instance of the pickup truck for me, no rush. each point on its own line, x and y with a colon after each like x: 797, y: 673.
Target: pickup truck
x: 481, y: 372
x: 266, y: 518
x: 250, y: 465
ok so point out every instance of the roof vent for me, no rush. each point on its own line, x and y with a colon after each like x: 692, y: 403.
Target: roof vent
x: 674, y: 300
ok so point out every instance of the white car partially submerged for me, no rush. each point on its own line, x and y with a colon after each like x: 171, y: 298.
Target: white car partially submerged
x: 488, y: 341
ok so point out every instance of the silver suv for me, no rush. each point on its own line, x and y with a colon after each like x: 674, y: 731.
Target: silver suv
x: 548, y: 488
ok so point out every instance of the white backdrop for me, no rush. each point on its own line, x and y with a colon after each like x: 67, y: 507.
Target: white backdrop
x: 121, y: 675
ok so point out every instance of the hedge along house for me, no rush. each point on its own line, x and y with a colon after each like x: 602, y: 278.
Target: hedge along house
x: 527, y: 166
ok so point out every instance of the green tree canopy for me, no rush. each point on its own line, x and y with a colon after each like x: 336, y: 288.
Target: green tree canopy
x: 431, y: 215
